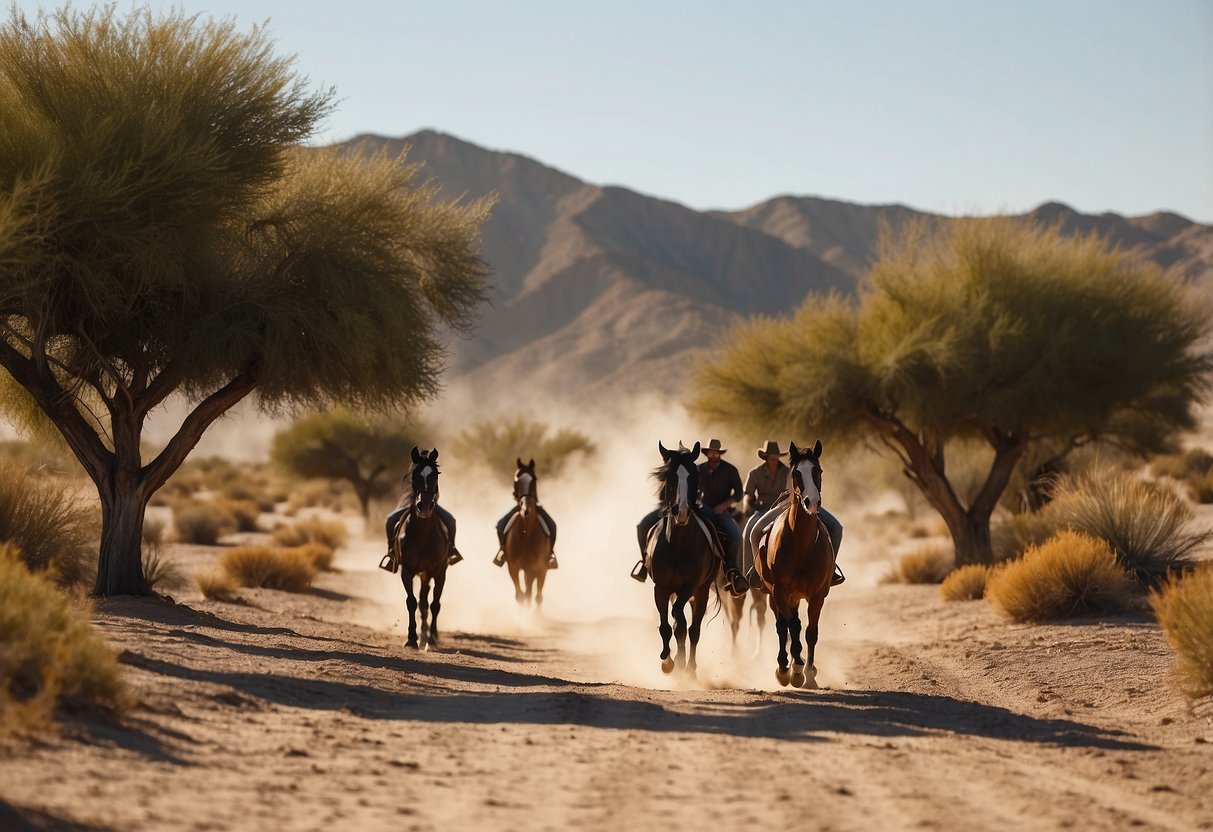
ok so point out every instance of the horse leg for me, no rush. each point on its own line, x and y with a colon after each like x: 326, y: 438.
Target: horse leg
x: 758, y: 605
x: 662, y: 600
x: 700, y: 606
x: 815, y: 604
x: 530, y: 587
x: 519, y: 597
x: 782, y: 674
x: 797, y: 655
x: 436, y: 606
x: 539, y: 581
x: 407, y: 578
x: 738, y: 607
x: 680, y: 628
x: 424, y: 610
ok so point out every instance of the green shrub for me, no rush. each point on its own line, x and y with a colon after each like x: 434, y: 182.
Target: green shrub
x: 1146, y: 525
x: 1184, y: 608
x: 55, y: 531
x: 263, y: 566
x: 928, y: 564
x: 1070, y: 574
x: 202, y: 523
x: 50, y: 654
x: 331, y: 533
x: 968, y: 583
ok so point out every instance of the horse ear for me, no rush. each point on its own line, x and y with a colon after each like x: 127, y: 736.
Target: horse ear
x: 665, y: 455
x: 793, y: 449
x: 695, y: 452
x: 817, y: 449
x: 434, y: 455
x: 531, y: 464
x: 519, y: 462
x: 416, y: 456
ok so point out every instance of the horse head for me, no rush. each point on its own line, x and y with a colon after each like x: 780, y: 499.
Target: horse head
x: 679, y: 481
x: 804, y: 483
x: 525, y: 486
x: 425, y: 481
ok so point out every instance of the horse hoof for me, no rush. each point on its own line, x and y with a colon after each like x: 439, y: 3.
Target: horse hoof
x: 783, y: 676
x: 811, y: 679
x: 412, y: 642
x: 797, y: 680
x: 667, y: 665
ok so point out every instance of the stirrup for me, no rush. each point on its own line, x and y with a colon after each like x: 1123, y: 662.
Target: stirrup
x: 736, y: 583
x: 838, y: 577
x: 388, y: 563
x: 640, y: 572
x: 499, y: 559
x: 553, y: 563
x: 454, y: 557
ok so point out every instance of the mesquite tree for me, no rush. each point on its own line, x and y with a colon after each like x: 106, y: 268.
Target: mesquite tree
x: 163, y: 233
x: 986, y: 330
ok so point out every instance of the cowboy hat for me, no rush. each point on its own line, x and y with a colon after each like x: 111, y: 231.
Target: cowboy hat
x: 772, y: 448
x: 714, y: 445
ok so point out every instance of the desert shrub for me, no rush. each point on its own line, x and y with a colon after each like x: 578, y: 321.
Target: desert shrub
x: 928, y: 564
x: 217, y: 586
x: 1146, y: 525
x: 153, y: 531
x: 1200, y: 488
x: 49, y: 652
x: 1184, y: 608
x: 159, y: 571
x: 331, y: 533
x: 497, y: 445
x: 202, y: 523
x: 264, y: 566
x: 318, y: 554
x: 245, y: 513
x: 1194, y: 462
x: 968, y: 583
x: 1070, y: 574
x: 1013, y: 534
x: 55, y: 531
x: 334, y: 495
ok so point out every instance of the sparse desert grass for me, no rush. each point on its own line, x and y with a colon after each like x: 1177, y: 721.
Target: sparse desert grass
x: 334, y: 495
x: 1194, y: 462
x: 1070, y: 574
x: 265, y: 566
x: 1146, y: 525
x: 928, y: 564
x: 331, y: 533
x: 245, y: 513
x: 967, y: 583
x: 1012, y: 535
x: 318, y: 554
x: 50, y: 655
x: 202, y: 523
x: 55, y: 531
x: 1200, y: 488
x: 1184, y: 608
x: 159, y: 571
x: 217, y: 586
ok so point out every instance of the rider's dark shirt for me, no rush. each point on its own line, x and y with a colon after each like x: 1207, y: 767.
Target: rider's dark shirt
x: 717, y: 486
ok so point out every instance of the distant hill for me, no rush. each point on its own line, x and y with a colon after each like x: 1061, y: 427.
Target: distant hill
x: 601, y: 291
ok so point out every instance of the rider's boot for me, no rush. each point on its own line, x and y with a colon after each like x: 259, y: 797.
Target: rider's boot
x: 735, y: 582
x: 838, y: 576
x: 640, y: 572
x: 388, y: 561
x: 453, y: 557
x: 552, y: 562
x: 499, y: 559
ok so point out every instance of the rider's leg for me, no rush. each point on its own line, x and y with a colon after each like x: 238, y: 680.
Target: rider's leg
x: 551, y: 524
x: 732, y: 535
x: 639, y: 572
x: 499, y: 558
x: 834, y: 530
x: 390, y: 523
x: 448, y: 520
x: 758, y: 525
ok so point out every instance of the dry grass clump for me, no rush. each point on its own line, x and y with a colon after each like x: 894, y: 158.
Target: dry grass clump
x: 928, y: 564
x: 55, y: 531
x: 1146, y: 525
x: 264, y: 566
x: 331, y: 533
x: 968, y: 583
x: 1070, y: 574
x: 318, y: 554
x: 159, y: 572
x: 50, y: 655
x: 1013, y: 535
x: 334, y: 495
x: 1184, y: 608
x: 217, y: 586
x: 202, y: 523
x: 245, y: 513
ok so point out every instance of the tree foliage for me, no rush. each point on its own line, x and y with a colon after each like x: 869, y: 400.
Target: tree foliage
x: 987, y: 330
x: 498, y: 445
x: 162, y: 232
x: 366, y: 451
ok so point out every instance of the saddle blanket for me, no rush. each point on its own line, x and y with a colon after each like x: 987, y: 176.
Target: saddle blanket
x: 514, y: 519
x: 666, y: 524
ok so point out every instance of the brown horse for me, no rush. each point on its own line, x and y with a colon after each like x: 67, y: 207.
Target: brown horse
x: 528, y: 544
x: 683, y: 563
x: 422, y: 544
x: 797, y: 564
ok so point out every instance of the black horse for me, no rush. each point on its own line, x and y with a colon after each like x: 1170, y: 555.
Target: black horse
x: 680, y: 550
x: 423, y: 546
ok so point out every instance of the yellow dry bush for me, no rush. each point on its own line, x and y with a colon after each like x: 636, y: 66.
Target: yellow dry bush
x: 331, y: 533
x: 321, y: 556
x: 50, y: 655
x: 1184, y: 608
x: 968, y: 583
x: 245, y: 513
x: 1070, y: 574
x: 202, y: 523
x: 263, y: 566
x: 928, y: 564
x: 217, y: 586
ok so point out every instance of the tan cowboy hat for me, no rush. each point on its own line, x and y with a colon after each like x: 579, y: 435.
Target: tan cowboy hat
x: 772, y: 449
x: 714, y: 445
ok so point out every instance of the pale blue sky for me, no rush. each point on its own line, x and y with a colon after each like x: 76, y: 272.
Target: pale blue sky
x: 940, y: 104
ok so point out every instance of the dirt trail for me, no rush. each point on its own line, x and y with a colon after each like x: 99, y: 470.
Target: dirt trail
x: 282, y: 714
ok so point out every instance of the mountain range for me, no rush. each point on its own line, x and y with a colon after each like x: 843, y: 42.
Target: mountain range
x: 600, y: 292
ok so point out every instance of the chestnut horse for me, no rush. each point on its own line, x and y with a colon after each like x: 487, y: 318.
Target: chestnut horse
x: 796, y: 565
x: 528, y: 544
x: 422, y: 546
x: 683, y: 563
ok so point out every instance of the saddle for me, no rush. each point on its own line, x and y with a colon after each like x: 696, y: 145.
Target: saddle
x: 715, y: 537
x: 391, y: 561
x: 517, y: 514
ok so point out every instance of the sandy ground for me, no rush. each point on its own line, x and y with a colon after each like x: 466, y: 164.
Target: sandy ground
x: 307, y: 712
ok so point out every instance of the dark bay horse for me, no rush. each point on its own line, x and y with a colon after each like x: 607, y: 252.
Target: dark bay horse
x: 796, y: 565
x: 422, y: 547
x: 680, y: 550
x: 528, y: 544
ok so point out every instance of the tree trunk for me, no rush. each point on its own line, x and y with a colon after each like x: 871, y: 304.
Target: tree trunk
x: 362, y: 489
x: 971, y: 539
x: 120, y: 567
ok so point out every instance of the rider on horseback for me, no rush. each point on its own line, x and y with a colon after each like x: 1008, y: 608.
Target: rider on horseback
x: 406, y: 502
x: 545, y: 519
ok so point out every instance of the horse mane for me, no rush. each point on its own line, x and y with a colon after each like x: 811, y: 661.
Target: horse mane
x: 659, y: 474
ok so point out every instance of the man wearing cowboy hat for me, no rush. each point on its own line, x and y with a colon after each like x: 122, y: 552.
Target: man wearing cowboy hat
x: 766, y: 497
